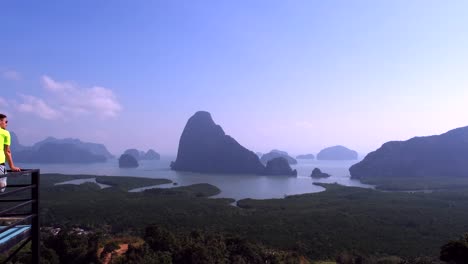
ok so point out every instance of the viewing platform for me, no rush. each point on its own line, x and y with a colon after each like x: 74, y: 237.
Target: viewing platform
x: 19, y: 214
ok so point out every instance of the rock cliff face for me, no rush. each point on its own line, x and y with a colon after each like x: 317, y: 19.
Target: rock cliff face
x: 128, y: 161
x: 276, y: 154
x: 442, y: 156
x: 279, y: 166
x: 205, y: 148
x: 337, y: 153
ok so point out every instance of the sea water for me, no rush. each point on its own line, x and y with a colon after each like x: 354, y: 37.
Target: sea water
x: 235, y: 186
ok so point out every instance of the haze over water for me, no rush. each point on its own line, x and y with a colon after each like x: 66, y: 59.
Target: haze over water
x: 231, y: 185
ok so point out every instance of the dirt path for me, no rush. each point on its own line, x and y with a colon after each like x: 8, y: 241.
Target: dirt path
x: 303, y: 260
x: 122, y: 250
x: 107, y: 258
x: 119, y: 252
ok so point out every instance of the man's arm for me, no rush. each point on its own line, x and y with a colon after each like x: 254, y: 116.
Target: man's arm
x: 9, y: 158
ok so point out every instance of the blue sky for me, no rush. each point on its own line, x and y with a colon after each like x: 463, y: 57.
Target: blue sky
x: 292, y: 75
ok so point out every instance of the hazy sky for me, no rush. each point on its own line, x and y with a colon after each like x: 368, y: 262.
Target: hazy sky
x: 293, y: 75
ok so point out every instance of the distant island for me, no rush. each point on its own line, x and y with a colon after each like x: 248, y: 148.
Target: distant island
x: 52, y: 150
x: 279, y: 166
x: 337, y: 153
x: 141, y: 155
x: 276, y: 154
x: 440, y: 156
x: 205, y: 148
x: 305, y: 156
x: 128, y: 161
x: 151, y: 155
x: 317, y: 173
x: 282, y: 152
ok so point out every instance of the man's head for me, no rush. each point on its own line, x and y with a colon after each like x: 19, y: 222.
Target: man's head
x: 3, y: 121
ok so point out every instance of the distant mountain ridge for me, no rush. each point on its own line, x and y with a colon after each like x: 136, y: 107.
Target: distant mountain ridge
x: 15, y: 143
x: 53, y: 150
x: 444, y: 155
x: 57, y: 153
x: 95, y: 148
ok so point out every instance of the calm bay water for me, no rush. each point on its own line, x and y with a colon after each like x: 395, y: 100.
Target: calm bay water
x: 232, y: 186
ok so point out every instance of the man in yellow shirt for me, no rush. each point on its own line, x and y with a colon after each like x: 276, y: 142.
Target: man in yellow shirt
x: 5, y: 153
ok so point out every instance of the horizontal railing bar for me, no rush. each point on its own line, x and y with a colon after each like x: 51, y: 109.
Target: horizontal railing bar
x: 20, y: 173
x: 18, y: 249
x: 16, y: 215
x: 14, y: 200
x: 18, y: 185
x: 17, y: 190
x: 17, y: 223
x: 15, y: 207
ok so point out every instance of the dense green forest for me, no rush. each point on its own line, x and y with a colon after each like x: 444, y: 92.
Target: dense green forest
x: 417, y: 183
x: 341, y: 223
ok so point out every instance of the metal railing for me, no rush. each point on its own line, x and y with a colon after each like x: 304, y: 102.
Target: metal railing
x: 29, y: 219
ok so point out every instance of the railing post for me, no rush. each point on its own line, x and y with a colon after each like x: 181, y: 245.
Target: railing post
x: 35, y: 228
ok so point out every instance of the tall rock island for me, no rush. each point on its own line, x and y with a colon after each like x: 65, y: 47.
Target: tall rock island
x: 205, y: 148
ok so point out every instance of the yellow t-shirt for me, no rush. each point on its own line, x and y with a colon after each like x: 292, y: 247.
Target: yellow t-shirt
x: 5, y: 139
